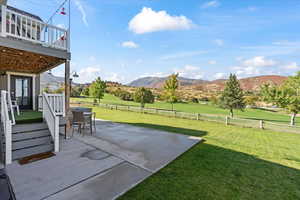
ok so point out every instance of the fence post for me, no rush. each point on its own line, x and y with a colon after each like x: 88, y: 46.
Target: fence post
x: 174, y: 114
x: 128, y: 108
x: 198, y: 116
x: 261, y: 124
x: 227, y: 120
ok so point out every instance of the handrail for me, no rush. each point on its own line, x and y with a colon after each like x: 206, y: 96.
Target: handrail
x: 27, y: 28
x: 52, y: 121
x: 56, y: 101
x: 7, y: 127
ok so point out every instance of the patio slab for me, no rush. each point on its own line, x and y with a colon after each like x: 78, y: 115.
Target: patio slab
x: 108, y: 185
x: 147, y: 148
x: 99, y: 167
x: 69, y: 167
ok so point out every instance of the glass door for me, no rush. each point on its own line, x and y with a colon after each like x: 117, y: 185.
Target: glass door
x: 21, y: 90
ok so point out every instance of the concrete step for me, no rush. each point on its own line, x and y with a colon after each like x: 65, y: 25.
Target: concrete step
x: 23, y: 128
x: 30, y: 135
x: 18, y: 154
x: 31, y: 142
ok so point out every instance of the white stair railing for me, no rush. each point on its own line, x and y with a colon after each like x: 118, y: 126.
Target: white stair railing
x: 7, y: 126
x: 52, y: 120
x: 56, y: 101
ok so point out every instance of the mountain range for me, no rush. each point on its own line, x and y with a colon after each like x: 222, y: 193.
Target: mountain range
x: 157, y: 82
x: 249, y: 84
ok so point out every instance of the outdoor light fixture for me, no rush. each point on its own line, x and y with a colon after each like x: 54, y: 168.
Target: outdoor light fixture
x: 75, y: 75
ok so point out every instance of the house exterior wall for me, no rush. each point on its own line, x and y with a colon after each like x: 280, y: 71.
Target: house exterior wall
x: 3, y: 82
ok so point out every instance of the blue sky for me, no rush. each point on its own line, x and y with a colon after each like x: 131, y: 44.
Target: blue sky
x: 121, y: 40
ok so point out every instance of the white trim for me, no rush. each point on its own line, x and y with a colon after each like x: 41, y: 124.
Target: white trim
x: 33, y: 84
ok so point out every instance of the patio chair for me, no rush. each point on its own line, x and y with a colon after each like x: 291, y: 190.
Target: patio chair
x: 13, y: 104
x: 78, y: 120
x: 90, y: 119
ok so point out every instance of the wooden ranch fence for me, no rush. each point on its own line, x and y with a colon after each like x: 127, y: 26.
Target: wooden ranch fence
x: 249, y: 123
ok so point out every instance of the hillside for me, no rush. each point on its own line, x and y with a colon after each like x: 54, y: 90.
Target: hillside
x: 157, y: 82
x: 249, y: 84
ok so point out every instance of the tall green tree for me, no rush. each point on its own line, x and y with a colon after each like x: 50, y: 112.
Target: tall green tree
x: 170, y: 89
x: 97, y: 89
x: 232, y: 96
x: 86, y: 91
x: 286, y: 96
x: 143, y: 96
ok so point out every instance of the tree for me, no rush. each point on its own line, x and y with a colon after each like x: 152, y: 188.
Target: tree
x: 286, y: 96
x: 232, y: 96
x: 143, y: 96
x: 170, y: 89
x: 86, y: 91
x: 251, y: 100
x: 97, y: 89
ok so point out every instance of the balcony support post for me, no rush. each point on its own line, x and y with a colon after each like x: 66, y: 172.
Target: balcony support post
x: 67, y: 97
x: 3, y: 21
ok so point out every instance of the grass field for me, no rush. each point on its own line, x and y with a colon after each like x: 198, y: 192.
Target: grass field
x: 233, y: 163
x: 260, y: 114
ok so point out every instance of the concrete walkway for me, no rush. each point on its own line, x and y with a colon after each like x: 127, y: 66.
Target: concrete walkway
x: 99, y: 167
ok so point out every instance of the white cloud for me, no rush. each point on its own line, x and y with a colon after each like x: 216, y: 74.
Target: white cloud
x: 114, y: 77
x: 291, y: 66
x: 219, y: 42
x: 212, y: 62
x: 82, y: 11
x: 182, y: 55
x: 189, y: 71
x: 92, y: 58
x: 61, y: 26
x: 254, y: 66
x: 129, y: 44
x: 211, y: 4
x: 252, y: 8
x: 148, y: 21
x: 88, y: 74
x: 259, y: 61
x: 157, y: 74
x: 139, y: 61
x: 220, y: 75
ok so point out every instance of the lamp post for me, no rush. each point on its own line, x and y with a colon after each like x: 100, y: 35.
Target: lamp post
x: 74, y: 75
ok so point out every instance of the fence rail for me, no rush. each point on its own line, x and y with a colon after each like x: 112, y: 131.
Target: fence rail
x: 249, y: 123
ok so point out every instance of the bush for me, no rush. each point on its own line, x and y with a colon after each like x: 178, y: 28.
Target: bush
x: 194, y: 100
x: 204, y: 99
x: 125, y: 96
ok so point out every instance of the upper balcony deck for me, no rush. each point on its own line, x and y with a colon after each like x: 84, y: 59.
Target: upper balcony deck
x: 32, y: 29
x: 27, y: 44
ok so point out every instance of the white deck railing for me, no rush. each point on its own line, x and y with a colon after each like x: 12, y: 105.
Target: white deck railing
x: 27, y: 28
x: 56, y: 101
x: 52, y: 121
x: 7, y: 126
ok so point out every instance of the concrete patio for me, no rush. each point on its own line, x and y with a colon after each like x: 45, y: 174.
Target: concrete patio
x: 103, y: 166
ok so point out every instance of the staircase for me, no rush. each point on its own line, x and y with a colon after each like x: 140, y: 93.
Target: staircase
x: 30, y: 139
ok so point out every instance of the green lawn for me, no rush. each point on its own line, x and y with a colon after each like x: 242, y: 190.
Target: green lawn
x: 260, y: 114
x: 29, y: 116
x: 233, y: 163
